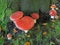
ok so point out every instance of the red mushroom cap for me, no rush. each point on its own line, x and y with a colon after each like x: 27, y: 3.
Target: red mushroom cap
x: 52, y: 12
x: 24, y: 23
x: 35, y: 15
x: 16, y: 15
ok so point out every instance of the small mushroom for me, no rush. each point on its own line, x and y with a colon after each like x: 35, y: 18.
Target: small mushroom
x: 9, y: 36
x: 53, y: 6
x: 16, y: 15
x: 25, y: 23
x: 35, y: 16
x: 52, y: 13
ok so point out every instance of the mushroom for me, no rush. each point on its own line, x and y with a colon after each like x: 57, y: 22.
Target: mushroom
x: 16, y: 15
x: 25, y: 23
x: 35, y: 16
x: 53, y: 6
x: 9, y: 36
x: 52, y: 13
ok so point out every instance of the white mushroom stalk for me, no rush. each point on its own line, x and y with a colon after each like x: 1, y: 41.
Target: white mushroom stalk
x: 26, y: 31
x: 34, y: 20
x: 53, y: 9
x: 52, y: 17
x: 9, y: 38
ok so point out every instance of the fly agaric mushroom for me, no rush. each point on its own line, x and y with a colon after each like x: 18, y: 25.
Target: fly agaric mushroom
x: 17, y: 15
x: 35, y: 16
x: 52, y: 13
x: 25, y: 23
x: 9, y: 36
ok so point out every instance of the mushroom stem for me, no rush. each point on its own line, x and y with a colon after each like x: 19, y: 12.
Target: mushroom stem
x: 53, y: 9
x: 52, y: 17
x: 26, y: 31
x: 34, y: 20
x: 9, y: 38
